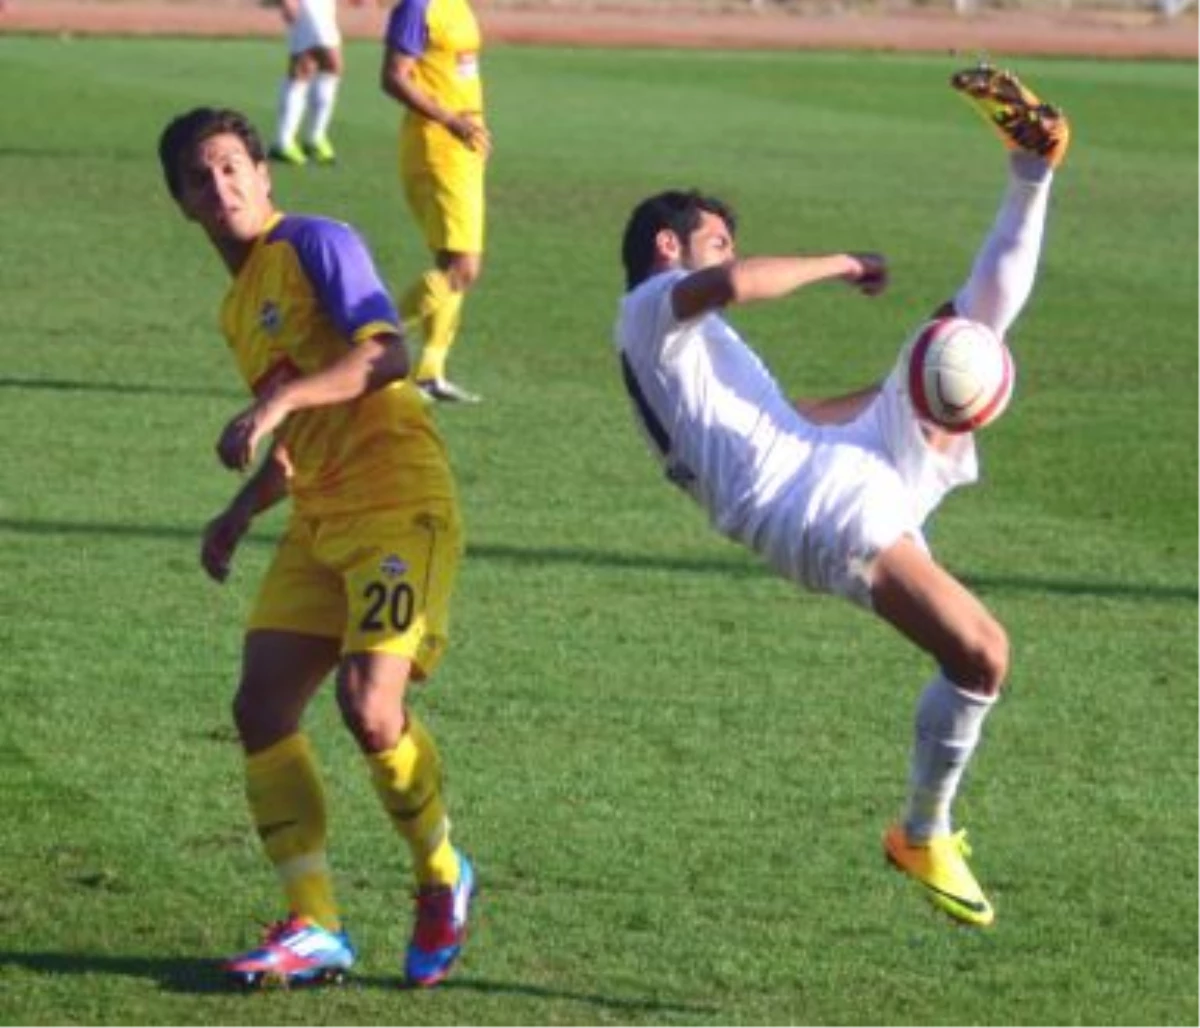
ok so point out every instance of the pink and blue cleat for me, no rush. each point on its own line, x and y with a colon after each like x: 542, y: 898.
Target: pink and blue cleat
x: 295, y: 951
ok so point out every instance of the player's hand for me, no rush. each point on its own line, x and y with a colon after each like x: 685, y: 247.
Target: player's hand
x: 220, y: 540
x: 240, y: 439
x: 871, y: 275
x: 473, y: 134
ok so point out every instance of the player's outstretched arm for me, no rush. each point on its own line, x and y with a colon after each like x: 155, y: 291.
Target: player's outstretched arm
x: 768, y: 278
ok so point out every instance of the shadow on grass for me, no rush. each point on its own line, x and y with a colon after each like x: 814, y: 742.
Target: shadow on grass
x: 65, y: 385
x: 204, y: 977
x: 738, y: 565
x: 174, y: 974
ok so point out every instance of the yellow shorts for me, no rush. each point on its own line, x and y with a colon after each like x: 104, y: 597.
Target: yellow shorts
x: 380, y: 581
x: 444, y: 188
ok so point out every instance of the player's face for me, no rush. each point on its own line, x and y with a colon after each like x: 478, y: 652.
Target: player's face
x: 224, y: 191
x: 709, y: 245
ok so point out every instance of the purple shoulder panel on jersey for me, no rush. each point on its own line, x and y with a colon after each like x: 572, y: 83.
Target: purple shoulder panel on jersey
x: 407, y: 28
x: 341, y: 271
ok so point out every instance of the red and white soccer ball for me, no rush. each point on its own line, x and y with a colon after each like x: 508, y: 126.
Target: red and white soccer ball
x: 960, y: 374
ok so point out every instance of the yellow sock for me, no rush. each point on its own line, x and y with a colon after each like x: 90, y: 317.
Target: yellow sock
x: 408, y: 779
x: 287, y: 802
x: 437, y: 309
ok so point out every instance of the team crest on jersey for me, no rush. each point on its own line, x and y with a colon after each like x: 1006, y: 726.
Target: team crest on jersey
x: 392, y: 567
x: 270, y: 318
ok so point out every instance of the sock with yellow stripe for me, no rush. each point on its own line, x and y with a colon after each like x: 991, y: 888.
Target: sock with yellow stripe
x: 287, y: 802
x: 408, y: 779
x: 436, y: 308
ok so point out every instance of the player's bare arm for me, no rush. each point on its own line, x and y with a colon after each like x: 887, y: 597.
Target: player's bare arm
x: 265, y: 488
x: 836, y: 410
x: 396, y: 80
x: 768, y: 278
x: 366, y: 367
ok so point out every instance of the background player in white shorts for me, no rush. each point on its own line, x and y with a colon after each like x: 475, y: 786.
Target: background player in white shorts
x: 833, y: 493
x: 309, y: 91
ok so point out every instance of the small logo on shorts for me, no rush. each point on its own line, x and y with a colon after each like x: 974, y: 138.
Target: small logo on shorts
x: 392, y: 567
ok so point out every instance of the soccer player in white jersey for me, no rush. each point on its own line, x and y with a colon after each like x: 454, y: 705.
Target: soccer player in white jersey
x: 833, y: 493
x: 309, y: 90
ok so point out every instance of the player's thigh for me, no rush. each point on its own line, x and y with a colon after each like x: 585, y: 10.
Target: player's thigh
x: 299, y: 594
x: 444, y: 189
x: 459, y: 200
x: 280, y: 673
x: 928, y: 605
x: 399, y: 567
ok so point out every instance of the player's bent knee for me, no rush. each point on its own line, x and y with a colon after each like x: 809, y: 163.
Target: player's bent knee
x: 463, y: 270
x: 982, y: 665
x: 372, y: 709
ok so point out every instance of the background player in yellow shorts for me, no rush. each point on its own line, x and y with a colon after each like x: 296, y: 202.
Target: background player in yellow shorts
x: 362, y: 578
x: 431, y: 66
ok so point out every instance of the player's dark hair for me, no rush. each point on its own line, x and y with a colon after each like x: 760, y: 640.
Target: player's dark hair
x: 186, y: 132
x: 674, y: 209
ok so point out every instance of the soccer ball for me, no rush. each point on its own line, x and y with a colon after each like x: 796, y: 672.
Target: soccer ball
x: 960, y: 374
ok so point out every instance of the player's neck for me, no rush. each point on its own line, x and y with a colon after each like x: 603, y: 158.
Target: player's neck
x: 235, y: 252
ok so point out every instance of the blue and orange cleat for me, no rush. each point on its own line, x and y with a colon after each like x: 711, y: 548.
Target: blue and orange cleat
x: 441, y: 928
x: 1023, y: 121
x: 939, y: 866
x: 295, y: 951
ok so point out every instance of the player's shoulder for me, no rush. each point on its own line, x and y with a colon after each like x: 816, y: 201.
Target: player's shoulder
x: 310, y: 230
x: 648, y: 297
x: 656, y: 286
x: 321, y: 241
x: 646, y: 317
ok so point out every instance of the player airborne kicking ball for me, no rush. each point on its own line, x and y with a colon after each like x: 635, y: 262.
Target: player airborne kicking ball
x: 833, y: 493
x: 361, y: 580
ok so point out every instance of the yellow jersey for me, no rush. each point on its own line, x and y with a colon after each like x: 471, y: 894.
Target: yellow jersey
x: 444, y: 37
x: 309, y: 290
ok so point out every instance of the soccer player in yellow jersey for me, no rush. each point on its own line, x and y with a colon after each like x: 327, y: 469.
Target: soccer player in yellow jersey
x: 431, y: 66
x: 362, y: 577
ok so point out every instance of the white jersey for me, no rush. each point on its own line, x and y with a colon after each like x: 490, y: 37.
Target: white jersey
x: 818, y: 501
x: 715, y: 416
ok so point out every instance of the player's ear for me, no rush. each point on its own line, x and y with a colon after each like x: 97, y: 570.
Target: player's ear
x: 667, y: 245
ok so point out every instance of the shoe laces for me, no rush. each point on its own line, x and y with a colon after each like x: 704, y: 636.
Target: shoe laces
x: 435, y: 927
x: 958, y: 842
x: 275, y: 930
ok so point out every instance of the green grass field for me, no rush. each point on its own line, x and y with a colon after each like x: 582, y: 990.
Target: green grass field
x: 672, y: 769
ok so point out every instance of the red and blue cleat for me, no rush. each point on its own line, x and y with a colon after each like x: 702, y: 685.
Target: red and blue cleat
x: 440, y: 930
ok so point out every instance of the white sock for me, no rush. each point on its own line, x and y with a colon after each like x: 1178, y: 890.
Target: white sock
x: 1006, y: 265
x: 947, y: 730
x: 321, y: 99
x: 292, y: 94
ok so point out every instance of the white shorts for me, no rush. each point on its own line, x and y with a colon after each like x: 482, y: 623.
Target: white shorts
x: 865, y: 485
x: 315, y: 26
